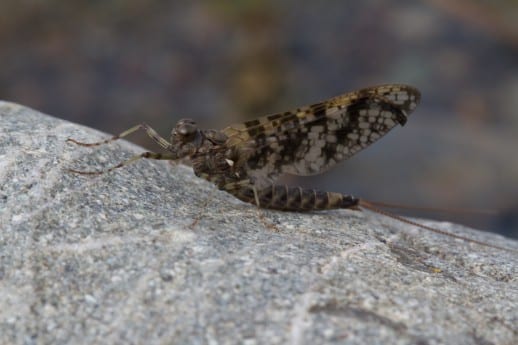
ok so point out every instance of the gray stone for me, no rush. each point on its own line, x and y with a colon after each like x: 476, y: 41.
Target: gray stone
x: 113, y: 259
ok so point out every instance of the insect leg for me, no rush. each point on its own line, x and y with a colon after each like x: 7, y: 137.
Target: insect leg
x: 147, y: 155
x: 256, y: 197
x: 143, y: 126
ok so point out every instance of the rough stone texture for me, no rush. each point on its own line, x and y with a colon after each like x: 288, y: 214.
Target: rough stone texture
x: 112, y: 259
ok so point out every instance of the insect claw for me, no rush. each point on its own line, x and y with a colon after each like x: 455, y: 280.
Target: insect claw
x: 91, y: 144
x: 70, y: 140
x: 85, y: 172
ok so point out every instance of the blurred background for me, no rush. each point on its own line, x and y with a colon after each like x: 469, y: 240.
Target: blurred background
x: 113, y: 64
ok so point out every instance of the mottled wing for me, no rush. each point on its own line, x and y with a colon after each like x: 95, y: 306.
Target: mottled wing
x: 311, y: 139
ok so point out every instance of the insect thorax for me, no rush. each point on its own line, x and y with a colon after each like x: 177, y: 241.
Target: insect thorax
x: 216, y: 162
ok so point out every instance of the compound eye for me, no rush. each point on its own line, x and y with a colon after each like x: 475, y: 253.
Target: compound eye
x: 186, y: 128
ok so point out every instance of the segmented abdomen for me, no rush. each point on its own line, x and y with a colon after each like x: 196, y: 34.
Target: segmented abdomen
x: 283, y: 197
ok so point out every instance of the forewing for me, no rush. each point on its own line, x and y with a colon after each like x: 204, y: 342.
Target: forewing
x: 311, y: 139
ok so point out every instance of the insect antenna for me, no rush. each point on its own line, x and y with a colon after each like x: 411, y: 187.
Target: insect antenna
x: 376, y: 208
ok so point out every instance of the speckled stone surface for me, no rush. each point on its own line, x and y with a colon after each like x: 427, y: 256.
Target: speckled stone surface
x: 112, y: 259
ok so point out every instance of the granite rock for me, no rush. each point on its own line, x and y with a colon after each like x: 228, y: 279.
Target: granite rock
x: 115, y: 259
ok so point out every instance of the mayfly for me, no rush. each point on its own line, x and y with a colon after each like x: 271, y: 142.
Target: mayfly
x: 245, y: 159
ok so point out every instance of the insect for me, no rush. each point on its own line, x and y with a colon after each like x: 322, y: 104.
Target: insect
x: 245, y: 159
